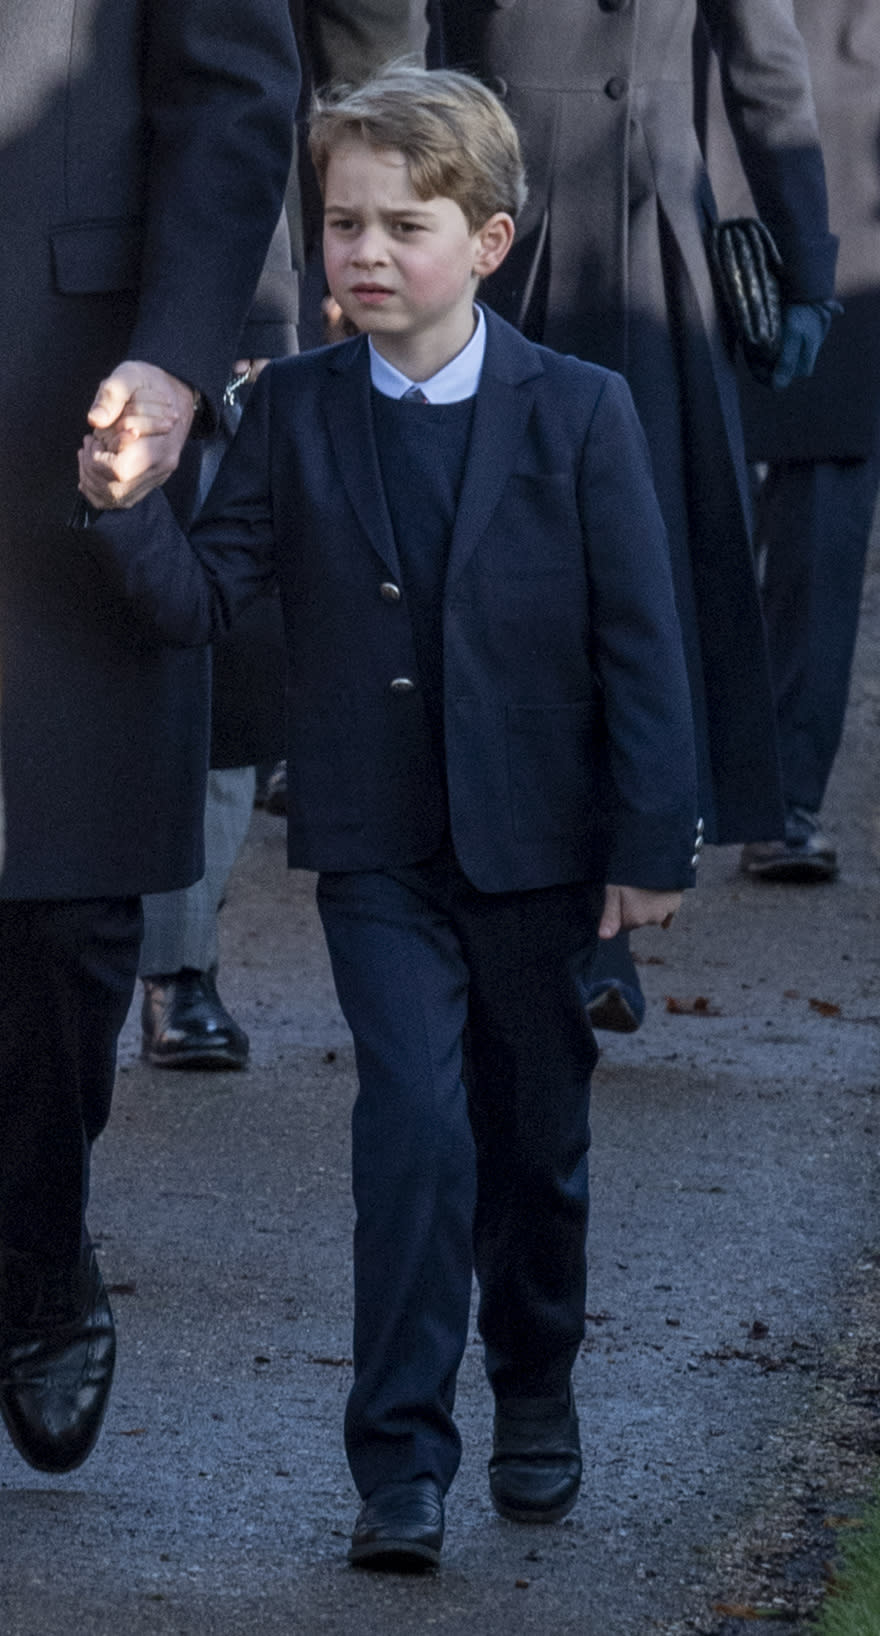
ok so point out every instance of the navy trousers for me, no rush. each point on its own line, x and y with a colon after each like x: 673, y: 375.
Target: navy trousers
x: 813, y: 525
x: 469, y: 1146
x: 68, y: 977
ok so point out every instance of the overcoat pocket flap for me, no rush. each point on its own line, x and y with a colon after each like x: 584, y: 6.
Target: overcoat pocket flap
x: 92, y: 257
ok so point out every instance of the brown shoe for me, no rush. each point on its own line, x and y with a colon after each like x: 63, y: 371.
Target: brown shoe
x: 804, y: 854
x: 186, y: 1025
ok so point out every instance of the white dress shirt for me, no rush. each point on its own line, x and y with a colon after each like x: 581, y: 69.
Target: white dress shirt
x: 456, y: 380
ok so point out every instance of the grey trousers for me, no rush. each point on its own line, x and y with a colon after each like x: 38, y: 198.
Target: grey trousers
x: 180, y: 928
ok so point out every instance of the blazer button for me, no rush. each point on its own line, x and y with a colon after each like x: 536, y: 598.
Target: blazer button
x: 402, y: 684
x: 616, y: 87
x: 613, y: 5
x: 389, y: 591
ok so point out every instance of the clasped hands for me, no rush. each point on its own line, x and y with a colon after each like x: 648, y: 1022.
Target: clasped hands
x: 140, y: 420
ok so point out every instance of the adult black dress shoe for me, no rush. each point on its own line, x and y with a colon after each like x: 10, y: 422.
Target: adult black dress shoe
x: 535, y: 1469
x: 802, y: 856
x: 57, y: 1351
x: 400, y: 1526
x: 186, y: 1025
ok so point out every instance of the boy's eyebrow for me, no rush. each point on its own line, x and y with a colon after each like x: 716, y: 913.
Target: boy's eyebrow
x: 417, y: 209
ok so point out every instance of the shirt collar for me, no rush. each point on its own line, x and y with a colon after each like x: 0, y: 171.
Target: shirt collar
x: 456, y: 380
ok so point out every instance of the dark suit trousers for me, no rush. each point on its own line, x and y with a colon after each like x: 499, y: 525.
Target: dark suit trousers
x: 469, y: 1146
x: 812, y: 531
x: 68, y: 972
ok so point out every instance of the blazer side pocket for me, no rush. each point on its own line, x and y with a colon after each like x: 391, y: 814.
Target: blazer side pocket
x: 554, y: 767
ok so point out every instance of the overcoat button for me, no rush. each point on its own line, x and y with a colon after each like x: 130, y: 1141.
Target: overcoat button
x: 616, y: 88
x: 499, y: 86
x: 613, y: 5
x: 403, y: 684
x: 389, y: 591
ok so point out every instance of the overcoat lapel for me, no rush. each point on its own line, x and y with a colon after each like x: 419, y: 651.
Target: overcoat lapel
x: 505, y: 396
x: 350, y: 421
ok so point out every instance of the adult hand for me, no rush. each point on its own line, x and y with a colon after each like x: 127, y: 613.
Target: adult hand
x: 804, y: 327
x: 141, y: 419
x: 627, y: 907
x: 252, y: 367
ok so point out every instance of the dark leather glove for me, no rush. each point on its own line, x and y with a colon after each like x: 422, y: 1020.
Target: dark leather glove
x: 804, y: 327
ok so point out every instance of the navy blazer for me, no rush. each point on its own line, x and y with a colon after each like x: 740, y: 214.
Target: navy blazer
x: 567, y: 715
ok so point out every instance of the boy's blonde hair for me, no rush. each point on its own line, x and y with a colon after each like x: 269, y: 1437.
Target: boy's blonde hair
x: 457, y: 139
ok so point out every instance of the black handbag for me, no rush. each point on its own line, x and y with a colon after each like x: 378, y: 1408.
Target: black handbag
x: 746, y: 268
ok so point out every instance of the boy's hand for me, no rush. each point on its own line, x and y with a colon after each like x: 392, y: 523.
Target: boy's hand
x: 141, y: 419
x: 627, y: 907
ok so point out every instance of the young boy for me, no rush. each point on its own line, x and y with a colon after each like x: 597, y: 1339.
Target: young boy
x: 488, y: 722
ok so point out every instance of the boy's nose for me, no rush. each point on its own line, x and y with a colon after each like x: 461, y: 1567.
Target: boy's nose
x: 369, y: 250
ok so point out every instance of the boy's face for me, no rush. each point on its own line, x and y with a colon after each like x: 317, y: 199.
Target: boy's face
x: 402, y: 268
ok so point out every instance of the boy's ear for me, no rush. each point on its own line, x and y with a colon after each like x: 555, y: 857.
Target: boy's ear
x: 493, y: 242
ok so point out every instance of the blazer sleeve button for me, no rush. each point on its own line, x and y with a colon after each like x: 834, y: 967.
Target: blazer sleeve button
x: 402, y: 684
x: 616, y: 87
x: 388, y: 591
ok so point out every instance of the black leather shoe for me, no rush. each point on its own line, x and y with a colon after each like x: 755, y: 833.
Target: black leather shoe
x: 186, y: 1025
x: 802, y: 856
x: 400, y: 1526
x: 535, y: 1469
x: 57, y: 1351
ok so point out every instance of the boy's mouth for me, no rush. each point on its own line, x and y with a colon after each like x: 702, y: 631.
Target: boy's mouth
x: 371, y: 292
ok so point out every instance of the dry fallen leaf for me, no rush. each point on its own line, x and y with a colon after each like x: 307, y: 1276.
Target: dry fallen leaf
x: 825, y: 1008
x: 698, y: 1007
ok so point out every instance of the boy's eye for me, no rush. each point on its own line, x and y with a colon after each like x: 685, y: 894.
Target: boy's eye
x: 340, y: 224
x: 408, y: 227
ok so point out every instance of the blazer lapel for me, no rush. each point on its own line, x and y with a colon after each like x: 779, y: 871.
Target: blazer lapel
x: 511, y: 370
x: 350, y: 421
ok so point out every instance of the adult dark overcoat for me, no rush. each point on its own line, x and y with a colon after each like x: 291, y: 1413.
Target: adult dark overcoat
x: 610, y: 264
x: 835, y: 414
x: 144, y: 149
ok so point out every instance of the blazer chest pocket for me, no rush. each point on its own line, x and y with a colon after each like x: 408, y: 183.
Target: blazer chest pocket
x: 554, y: 769
x: 537, y: 527
x: 91, y: 258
